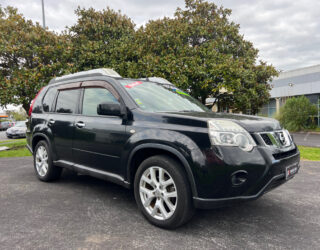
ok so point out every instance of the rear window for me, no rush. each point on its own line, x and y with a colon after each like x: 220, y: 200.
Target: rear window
x: 48, y: 99
x: 67, y: 101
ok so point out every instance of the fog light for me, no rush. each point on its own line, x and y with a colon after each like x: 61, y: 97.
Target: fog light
x: 239, y: 177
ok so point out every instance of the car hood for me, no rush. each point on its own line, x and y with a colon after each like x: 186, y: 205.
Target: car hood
x: 249, y: 122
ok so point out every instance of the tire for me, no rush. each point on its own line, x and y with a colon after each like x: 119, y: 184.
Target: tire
x: 175, y: 209
x: 43, y: 165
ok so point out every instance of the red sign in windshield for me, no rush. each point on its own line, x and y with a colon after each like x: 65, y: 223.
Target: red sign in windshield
x: 131, y: 85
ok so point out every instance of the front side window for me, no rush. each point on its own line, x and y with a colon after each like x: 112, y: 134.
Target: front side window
x: 93, y: 97
x: 67, y: 101
x: 157, y: 97
x: 48, y: 99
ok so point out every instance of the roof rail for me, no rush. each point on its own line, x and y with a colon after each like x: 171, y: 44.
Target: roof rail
x: 96, y: 72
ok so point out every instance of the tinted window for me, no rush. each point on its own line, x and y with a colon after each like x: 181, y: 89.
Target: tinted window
x: 94, y: 96
x: 48, y: 100
x: 67, y: 101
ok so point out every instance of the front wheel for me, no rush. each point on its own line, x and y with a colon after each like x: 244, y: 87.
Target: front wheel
x: 162, y: 192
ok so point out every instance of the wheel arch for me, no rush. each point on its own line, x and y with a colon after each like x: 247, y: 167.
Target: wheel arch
x: 144, y: 151
x: 39, y: 137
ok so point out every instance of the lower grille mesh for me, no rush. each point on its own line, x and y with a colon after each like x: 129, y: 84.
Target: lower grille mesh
x: 281, y: 155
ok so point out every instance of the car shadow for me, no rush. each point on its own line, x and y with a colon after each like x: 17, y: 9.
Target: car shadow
x: 247, y: 216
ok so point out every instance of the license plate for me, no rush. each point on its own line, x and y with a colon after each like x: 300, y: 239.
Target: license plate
x: 291, y: 171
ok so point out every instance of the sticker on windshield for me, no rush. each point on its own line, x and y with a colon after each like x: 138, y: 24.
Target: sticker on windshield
x: 180, y: 92
x: 138, y: 101
x: 131, y: 85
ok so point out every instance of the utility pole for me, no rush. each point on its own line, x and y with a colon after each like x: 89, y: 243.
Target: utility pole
x: 43, y: 17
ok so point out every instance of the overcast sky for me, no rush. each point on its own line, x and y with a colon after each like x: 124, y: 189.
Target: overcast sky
x: 286, y: 32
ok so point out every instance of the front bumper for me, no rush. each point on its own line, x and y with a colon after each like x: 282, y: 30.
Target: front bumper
x: 16, y: 134
x: 222, y: 202
x: 265, y: 170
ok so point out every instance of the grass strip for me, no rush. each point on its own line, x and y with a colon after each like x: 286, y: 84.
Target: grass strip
x: 309, y: 153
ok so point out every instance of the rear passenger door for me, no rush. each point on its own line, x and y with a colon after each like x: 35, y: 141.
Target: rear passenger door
x: 98, y: 139
x: 61, y: 121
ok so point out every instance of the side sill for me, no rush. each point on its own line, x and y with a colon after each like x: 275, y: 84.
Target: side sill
x: 117, y: 179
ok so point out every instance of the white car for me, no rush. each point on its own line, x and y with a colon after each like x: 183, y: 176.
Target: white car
x: 18, y: 130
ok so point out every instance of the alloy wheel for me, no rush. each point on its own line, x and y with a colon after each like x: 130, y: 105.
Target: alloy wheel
x: 42, y: 165
x: 158, y: 193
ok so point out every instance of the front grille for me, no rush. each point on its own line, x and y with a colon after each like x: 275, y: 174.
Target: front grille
x: 278, y: 139
x: 266, y: 139
x: 282, y: 155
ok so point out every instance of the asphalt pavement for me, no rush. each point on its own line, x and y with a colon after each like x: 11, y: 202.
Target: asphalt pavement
x: 309, y: 139
x: 3, y: 136
x: 80, y: 212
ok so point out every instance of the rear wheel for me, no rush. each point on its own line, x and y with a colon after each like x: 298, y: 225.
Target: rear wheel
x: 162, y: 192
x: 43, y: 165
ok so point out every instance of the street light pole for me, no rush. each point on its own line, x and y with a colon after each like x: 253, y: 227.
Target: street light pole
x: 43, y: 17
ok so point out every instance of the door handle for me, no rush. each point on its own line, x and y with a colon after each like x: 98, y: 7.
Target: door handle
x: 80, y: 124
x: 51, y: 122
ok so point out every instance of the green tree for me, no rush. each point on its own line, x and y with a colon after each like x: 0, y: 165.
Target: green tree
x: 201, y: 50
x: 98, y: 37
x: 296, y: 113
x: 19, y: 115
x: 29, y: 57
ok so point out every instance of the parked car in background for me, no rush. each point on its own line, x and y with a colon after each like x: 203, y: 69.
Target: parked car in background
x: 18, y: 130
x: 149, y: 135
x: 4, y: 125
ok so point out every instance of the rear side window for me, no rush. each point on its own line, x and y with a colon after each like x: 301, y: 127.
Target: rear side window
x: 67, y: 101
x: 48, y: 99
x: 94, y: 96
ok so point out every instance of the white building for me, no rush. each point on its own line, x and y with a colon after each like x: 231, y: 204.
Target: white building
x: 303, y: 81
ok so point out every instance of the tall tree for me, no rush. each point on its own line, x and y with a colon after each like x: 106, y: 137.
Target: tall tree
x: 199, y: 49
x: 29, y: 57
x: 202, y: 51
x: 98, y: 37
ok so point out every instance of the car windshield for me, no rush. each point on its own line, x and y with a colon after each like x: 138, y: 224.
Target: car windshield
x: 156, y: 97
x: 20, y: 124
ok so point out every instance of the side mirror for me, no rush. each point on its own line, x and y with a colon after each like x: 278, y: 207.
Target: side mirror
x: 108, y: 108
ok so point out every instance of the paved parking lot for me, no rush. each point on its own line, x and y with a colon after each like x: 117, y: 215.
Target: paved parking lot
x: 307, y: 139
x: 3, y: 135
x: 83, y: 212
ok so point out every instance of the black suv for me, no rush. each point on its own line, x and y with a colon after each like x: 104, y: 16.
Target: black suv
x: 148, y: 135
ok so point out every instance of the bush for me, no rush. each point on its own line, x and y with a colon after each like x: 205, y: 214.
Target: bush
x: 296, y: 113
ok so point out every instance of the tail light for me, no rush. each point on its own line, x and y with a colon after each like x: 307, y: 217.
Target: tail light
x: 33, y: 101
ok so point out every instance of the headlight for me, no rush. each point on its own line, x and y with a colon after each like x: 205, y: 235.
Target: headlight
x: 228, y: 133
